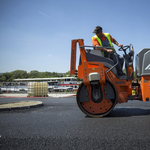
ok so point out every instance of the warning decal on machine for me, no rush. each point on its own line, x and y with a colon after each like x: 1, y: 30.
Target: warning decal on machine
x: 148, y: 67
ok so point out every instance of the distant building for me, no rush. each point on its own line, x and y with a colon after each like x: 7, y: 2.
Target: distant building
x: 61, y: 80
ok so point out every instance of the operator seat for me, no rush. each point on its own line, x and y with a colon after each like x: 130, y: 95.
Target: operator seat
x: 96, y: 56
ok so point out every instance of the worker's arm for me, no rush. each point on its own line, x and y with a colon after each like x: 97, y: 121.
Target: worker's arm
x: 115, y: 42
x: 97, y: 47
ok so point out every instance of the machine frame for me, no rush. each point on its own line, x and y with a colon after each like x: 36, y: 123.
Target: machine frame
x: 102, y: 88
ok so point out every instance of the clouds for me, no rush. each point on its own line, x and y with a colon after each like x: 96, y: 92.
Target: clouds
x: 41, y: 37
x: 46, y: 15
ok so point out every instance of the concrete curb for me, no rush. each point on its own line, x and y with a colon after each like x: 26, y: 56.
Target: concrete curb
x: 62, y: 96
x: 59, y: 95
x: 20, y: 105
x: 21, y: 97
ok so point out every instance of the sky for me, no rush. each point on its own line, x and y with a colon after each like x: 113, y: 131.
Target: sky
x: 37, y: 34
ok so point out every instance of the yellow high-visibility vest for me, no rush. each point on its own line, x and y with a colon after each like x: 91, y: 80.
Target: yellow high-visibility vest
x: 100, y: 42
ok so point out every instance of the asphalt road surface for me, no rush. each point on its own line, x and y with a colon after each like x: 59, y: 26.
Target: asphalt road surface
x: 60, y: 125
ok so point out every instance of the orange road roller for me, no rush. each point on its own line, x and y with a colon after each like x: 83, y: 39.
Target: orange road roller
x: 102, y: 88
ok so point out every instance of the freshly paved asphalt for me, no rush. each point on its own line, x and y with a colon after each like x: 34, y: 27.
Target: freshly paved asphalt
x: 10, y: 105
x: 60, y: 125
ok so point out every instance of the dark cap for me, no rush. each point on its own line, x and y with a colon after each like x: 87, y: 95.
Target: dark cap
x: 97, y: 28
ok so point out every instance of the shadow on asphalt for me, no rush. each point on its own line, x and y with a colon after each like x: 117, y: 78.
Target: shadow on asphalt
x: 128, y: 112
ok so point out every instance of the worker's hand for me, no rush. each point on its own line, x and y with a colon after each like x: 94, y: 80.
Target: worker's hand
x: 109, y: 51
x: 120, y: 45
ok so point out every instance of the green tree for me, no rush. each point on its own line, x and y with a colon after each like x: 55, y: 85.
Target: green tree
x: 34, y: 74
x: 54, y: 74
x: 7, y: 75
x: 45, y: 74
x: 19, y: 74
x: 2, y: 78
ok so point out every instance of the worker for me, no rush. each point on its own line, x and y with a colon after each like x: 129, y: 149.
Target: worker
x: 103, y: 40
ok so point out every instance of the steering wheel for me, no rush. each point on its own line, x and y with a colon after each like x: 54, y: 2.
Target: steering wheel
x: 124, y: 48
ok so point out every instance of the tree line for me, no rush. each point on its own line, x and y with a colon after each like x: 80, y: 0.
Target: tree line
x: 21, y: 74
